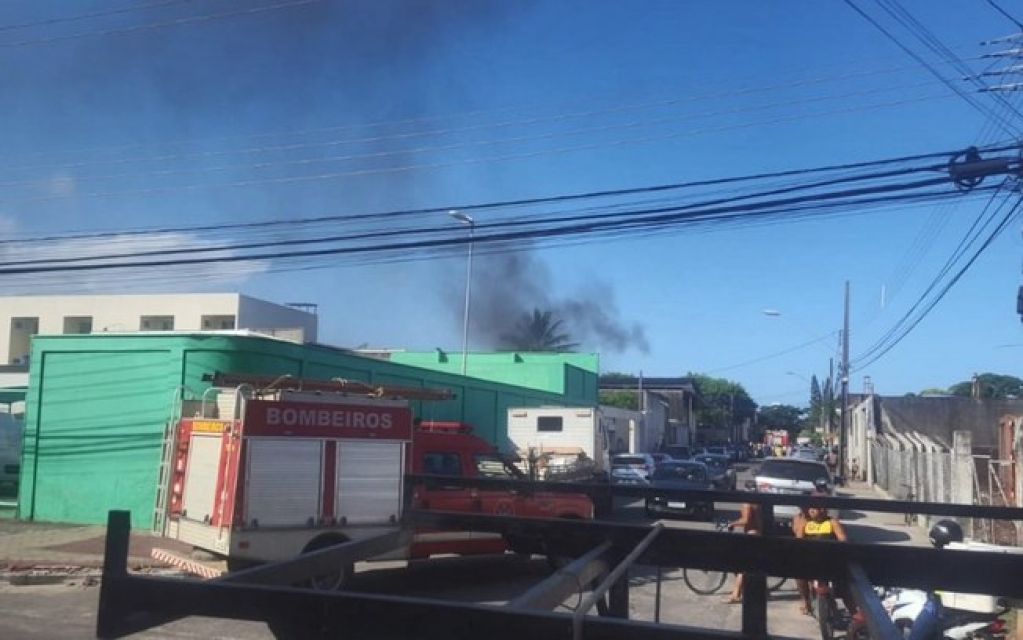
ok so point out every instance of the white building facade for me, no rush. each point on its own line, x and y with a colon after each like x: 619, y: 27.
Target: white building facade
x: 22, y: 317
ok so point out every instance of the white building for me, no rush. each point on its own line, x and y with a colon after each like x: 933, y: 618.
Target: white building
x: 22, y: 317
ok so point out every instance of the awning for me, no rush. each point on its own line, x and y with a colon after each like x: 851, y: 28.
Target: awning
x: 10, y: 395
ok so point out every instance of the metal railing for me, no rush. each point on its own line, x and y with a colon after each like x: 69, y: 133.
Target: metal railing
x: 606, y: 551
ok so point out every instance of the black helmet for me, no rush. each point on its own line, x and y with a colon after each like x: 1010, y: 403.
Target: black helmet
x: 821, y: 485
x: 944, y: 532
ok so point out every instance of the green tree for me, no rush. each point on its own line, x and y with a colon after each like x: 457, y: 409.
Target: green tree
x: 621, y: 399
x: 723, y: 403
x: 816, y: 400
x: 538, y: 331
x: 989, y: 385
x: 783, y: 416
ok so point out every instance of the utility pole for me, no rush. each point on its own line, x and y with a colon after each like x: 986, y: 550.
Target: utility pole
x: 843, y: 428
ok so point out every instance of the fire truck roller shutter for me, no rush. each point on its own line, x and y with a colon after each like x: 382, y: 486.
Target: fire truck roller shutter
x: 369, y: 481
x: 283, y: 481
x: 201, y: 476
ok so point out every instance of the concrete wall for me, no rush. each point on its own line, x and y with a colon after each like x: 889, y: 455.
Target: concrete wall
x: 940, y: 417
x: 260, y: 315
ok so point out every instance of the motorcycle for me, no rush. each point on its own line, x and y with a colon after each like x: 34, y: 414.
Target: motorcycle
x: 920, y: 615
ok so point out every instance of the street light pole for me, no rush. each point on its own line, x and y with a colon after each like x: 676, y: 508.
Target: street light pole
x: 843, y: 429
x: 467, y: 220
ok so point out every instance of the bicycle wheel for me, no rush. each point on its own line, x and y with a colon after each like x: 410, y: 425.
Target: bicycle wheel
x: 825, y: 610
x: 703, y: 581
x: 774, y: 583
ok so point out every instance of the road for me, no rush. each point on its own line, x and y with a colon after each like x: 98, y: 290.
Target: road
x: 68, y: 610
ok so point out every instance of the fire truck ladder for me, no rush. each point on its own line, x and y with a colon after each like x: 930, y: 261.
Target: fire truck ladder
x: 164, y: 475
x: 268, y: 384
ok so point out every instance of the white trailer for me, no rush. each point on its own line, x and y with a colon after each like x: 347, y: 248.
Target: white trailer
x: 573, y: 442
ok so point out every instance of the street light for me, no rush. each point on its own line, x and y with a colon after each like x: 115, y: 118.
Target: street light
x: 843, y: 376
x: 815, y: 337
x: 467, y: 220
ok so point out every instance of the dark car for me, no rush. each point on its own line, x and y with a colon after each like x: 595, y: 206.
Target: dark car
x: 679, y: 451
x: 722, y: 474
x: 680, y: 474
x: 660, y: 458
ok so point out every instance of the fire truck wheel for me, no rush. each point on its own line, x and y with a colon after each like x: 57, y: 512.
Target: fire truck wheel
x: 332, y: 579
x: 240, y: 564
x: 556, y: 560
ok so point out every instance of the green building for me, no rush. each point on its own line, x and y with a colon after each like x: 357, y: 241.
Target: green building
x: 569, y: 374
x: 97, y: 405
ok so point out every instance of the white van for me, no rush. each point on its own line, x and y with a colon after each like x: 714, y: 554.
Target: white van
x: 12, y: 429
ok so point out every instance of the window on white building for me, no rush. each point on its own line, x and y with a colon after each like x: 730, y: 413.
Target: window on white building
x: 19, y: 343
x: 77, y: 324
x: 156, y: 323
x: 218, y: 323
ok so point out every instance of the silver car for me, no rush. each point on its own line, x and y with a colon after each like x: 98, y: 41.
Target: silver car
x: 631, y: 468
x: 790, y: 476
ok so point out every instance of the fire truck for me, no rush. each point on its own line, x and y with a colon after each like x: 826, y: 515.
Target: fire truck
x: 267, y: 469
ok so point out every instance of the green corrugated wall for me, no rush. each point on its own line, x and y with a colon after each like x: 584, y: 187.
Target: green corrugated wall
x: 97, y: 405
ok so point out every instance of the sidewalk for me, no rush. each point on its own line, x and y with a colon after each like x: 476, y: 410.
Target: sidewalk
x: 52, y: 550
x: 877, y: 527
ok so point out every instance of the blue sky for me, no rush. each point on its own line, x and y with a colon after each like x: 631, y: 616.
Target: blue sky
x: 180, y: 114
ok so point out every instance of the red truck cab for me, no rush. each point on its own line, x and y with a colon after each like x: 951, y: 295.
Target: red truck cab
x: 451, y: 449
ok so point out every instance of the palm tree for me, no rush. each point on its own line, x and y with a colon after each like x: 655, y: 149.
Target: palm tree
x: 538, y: 331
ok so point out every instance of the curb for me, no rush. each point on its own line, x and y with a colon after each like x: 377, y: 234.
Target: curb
x: 45, y: 577
x: 42, y: 574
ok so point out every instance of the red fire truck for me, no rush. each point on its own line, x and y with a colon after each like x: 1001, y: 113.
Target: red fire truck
x: 282, y: 469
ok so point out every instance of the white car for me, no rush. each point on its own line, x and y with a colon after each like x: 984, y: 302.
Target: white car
x: 632, y: 468
x: 790, y: 476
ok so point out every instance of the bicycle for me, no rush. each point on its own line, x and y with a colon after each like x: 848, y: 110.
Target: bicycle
x: 709, y: 581
x: 909, y: 518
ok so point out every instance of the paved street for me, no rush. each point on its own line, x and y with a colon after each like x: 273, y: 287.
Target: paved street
x: 67, y: 610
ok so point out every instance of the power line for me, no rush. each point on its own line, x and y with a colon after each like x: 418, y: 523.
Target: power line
x: 558, y: 199
x: 334, y: 175
x: 651, y: 218
x: 905, y: 326
x: 375, y: 140
x: 1006, y: 126
x: 90, y: 16
x: 1002, y: 11
x: 159, y: 25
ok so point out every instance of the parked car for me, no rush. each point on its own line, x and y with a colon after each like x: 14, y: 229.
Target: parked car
x: 790, y: 476
x: 660, y: 458
x: 679, y: 451
x: 631, y: 468
x: 806, y: 453
x: 722, y: 474
x: 680, y: 474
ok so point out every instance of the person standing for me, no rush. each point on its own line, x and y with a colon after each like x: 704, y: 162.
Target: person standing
x: 751, y: 519
x: 831, y: 460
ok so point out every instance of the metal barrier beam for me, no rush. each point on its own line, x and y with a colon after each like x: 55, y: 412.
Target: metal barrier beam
x: 315, y: 615
x: 570, y: 579
x: 307, y: 565
x: 878, y: 622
